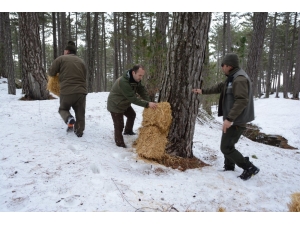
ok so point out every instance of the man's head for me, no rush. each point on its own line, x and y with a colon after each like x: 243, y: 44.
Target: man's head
x: 138, y: 72
x: 70, y: 48
x: 230, y: 62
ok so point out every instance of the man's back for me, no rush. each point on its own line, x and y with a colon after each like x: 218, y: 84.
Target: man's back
x: 72, y: 74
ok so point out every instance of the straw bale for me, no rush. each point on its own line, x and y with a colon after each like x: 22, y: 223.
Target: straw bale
x: 294, y: 206
x: 161, y: 117
x: 152, y: 140
x: 53, y: 84
x: 151, y: 143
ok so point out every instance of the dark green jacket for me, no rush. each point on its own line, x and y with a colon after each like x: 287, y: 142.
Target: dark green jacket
x: 72, y: 74
x: 124, y: 92
x: 236, y: 99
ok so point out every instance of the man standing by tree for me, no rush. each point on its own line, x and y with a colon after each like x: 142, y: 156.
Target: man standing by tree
x: 237, y: 108
x: 124, y: 92
x: 73, y: 87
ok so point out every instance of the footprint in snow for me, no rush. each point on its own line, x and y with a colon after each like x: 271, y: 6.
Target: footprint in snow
x: 73, y: 149
x: 94, y: 168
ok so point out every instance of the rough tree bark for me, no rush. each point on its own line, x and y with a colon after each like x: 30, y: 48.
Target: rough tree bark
x: 129, y: 44
x: 9, y: 62
x: 297, y: 70
x: 185, y: 58
x: 271, y: 55
x: 34, y: 77
x: 285, y: 65
x: 54, y: 35
x: 228, y: 33
x: 256, y: 48
x: 159, y: 49
x: 116, y: 52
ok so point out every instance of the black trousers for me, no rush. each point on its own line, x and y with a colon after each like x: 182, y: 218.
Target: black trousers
x: 118, y: 121
x: 231, y: 154
x: 78, y: 103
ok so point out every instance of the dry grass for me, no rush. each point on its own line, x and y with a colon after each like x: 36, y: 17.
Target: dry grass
x: 152, y: 140
x: 53, y: 84
x: 151, y: 143
x: 294, y: 206
x: 221, y: 209
x: 161, y: 117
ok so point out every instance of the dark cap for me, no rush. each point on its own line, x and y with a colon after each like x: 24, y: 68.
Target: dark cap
x: 231, y: 59
x: 71, y: 47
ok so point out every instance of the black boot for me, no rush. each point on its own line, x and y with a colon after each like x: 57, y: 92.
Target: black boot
x: 249, y: 171
x: 228, y: 168
x: 129, y: 133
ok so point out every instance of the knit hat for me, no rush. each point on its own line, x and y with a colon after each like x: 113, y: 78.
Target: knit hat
x: 231, y: 59
x: 71, y: 47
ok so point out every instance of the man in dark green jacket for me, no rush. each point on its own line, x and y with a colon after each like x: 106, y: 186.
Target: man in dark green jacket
x: 237, y: 108
x: 73, y: 87
x: 124, y: 92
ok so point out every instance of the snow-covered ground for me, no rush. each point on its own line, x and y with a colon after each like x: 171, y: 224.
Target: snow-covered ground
x: 45, y: 169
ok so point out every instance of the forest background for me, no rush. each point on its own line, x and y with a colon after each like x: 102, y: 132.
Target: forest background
x: 179, y: 50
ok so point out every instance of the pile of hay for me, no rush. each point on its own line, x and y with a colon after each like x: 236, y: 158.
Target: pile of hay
x: 152, y: 139
x: 294, y: 206
x: 53, y: 84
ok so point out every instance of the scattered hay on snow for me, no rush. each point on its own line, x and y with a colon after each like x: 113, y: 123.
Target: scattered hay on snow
x: 294, y: 206
x: 53, y: 84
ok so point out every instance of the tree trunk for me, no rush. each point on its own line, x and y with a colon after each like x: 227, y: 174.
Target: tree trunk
x: 285, y: 67
x: 228, y: 32
x: 121, y: 43
x: 104, y: 80
x: 89, y: 52
x: 64, y: 40
x: 297, y: 70
x: 292, y: 57
x: 224, y: 35
x: 159, y: 50
x: 76, y: 28
x: 54, y: 36
x: 59, y: 35
x: 123, y: 59
x: 256, y: 48
x: 9, y: 63
x: 278, y: 77
x: 99, y: 59
x: 271, y: 55
x: 44, y: 64
x: 137, y: 53
x: 186, y: 54
x: 70, y: 26
x: 129, y: 37
x: 34, y: 78
x: 116, y: 52
x: 2, y: 41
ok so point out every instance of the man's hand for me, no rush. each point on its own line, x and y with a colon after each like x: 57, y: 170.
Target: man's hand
x: 197, y: 91
x: 152, y: 105
x: 226, y: 125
